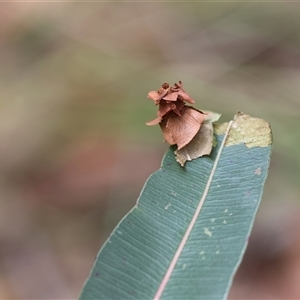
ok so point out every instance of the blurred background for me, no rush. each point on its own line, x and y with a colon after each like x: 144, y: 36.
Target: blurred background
x: 75, y: 150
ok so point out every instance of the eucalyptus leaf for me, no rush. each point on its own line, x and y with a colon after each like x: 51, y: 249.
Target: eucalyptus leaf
x: 187, y: 234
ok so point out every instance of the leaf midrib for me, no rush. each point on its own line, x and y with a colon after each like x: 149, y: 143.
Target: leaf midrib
x: 178, y: 252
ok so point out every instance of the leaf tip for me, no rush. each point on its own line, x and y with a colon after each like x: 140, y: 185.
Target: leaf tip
x: 253, y: 132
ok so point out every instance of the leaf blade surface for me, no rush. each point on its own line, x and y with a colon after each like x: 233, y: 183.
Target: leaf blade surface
x: 134, y: 261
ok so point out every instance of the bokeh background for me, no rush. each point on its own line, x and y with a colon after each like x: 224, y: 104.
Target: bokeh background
x: 75, y: 150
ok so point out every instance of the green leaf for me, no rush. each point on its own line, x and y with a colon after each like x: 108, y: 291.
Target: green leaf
x: 186, y: 236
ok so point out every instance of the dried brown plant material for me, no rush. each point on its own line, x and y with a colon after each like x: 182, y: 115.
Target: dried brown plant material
x: 181, y: 124
x: 180, y: 130
x: 202, y: 142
